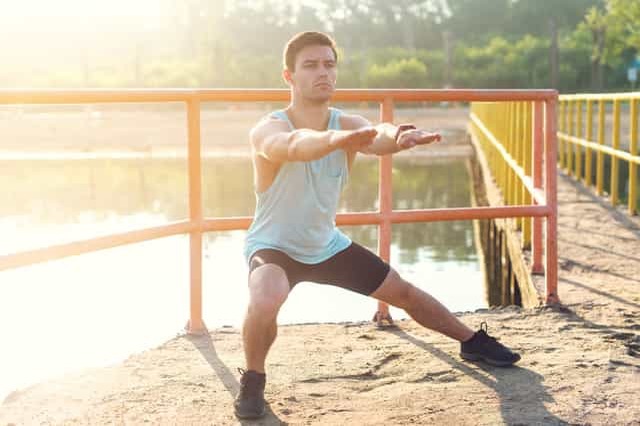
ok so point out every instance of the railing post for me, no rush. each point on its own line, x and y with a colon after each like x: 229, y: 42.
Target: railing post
x: 578, y: 148
x: 563, y: 129
x: 615, y: 145
x: 385, y: 207
x: 551, y: 250
x: 599, y: 156
x: 633, y: 150
x: 538, y: 150
x: 517, y: 149
x: 527, y: 156
x: 570, y: 132
x: 588, y: 170
x: 195, y: 324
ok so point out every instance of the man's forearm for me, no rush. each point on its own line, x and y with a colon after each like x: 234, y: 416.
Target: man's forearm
x: 309, y: 145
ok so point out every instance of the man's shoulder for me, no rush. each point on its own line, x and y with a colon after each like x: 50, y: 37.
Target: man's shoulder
x: 350, y: 121
x: 270, y: 123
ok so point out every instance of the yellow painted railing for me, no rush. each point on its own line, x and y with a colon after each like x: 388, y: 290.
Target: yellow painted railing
x: 505, y: 131
x: 578, y: 142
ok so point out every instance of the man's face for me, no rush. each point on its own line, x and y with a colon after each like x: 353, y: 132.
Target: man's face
x: 315, y: 73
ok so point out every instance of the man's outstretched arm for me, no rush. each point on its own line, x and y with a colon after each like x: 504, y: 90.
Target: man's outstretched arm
x: 273, y: 140
x: 392, y: 138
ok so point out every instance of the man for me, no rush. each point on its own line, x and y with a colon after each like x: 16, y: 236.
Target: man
x: 301, y: 159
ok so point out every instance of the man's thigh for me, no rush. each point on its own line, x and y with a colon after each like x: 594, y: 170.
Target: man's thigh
x: 355, y: 268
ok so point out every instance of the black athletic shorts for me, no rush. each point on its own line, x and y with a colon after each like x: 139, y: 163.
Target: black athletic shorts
x: 355, y: 268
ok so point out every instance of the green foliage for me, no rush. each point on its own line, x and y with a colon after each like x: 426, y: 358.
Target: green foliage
x: 503, y: 64
x: 624, y: 21
x: 494, y: 43
x: 402, y: 73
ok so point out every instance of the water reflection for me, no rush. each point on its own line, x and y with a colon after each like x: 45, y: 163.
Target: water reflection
x: 76, y: 192
x: 99, y: 295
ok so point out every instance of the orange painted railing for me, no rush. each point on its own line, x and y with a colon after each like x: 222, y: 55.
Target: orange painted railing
x: 544, y: 194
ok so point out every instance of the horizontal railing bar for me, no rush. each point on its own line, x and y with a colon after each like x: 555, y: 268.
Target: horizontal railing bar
x: 467, y: 213
x: 85, y: 96
x: 60, y: 251
x: 597, y: 147
x: 397, y: 216
x: 536, y: 193
x: 601, y: 96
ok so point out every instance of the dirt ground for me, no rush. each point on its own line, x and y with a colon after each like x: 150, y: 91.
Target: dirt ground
x: 581, y: 361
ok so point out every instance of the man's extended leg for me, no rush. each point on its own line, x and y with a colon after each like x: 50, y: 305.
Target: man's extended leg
x: 430, y: 313
x: 422, y: 307
x: 268, y: 290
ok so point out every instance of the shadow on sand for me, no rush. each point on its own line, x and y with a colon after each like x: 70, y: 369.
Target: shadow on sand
x: 510, y: 384
x: 205, y: 346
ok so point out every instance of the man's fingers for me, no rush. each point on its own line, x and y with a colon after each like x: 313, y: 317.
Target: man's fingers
x: 411, y: 138
x: 430, y: 137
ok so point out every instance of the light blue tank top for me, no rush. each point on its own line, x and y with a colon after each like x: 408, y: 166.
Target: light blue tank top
x: 296, y: 214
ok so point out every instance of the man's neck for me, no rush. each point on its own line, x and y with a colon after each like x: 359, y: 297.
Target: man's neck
x: 306, y: 115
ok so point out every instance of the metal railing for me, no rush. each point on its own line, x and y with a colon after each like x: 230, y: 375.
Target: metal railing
x: 514, y: 137
x: 578, y: 142
x: 196, y: 225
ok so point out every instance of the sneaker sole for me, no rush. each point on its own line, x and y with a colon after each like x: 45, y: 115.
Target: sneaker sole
x: 250, y: 416
x: 494, y: 362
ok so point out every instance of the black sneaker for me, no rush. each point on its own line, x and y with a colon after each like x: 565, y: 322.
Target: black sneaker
x: 482, y: 347
x: 249, y: 403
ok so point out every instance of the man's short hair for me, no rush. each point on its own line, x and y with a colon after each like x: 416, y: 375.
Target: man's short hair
x: 302, y: 40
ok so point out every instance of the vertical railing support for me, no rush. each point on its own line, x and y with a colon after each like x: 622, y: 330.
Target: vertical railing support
x: 633, y: 150
x: 570, y: 132
x: 537, y: 154
x: 195, y: 324
x: 599, y: 156
x: 578, y: 148
x: 588, y: 169
x: 563, y: 128
x: 385, y: 208
x: 551, y: 249
x: 615, y: 144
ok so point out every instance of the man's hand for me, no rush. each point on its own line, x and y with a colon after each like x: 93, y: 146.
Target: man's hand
x: 412, y: 137
x: 353, y: 140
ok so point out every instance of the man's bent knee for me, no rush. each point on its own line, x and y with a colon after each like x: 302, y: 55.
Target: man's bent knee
x: 268, y: 288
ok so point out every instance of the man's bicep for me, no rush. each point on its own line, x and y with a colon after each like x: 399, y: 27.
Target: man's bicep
x: 269, y: 139
x: 353, y: 122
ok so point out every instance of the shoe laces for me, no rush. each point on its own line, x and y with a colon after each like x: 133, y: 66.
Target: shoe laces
x: 484, y: 329
x: 249, y: 383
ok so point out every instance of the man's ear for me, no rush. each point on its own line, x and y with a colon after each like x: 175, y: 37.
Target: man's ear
x: 286, y: 75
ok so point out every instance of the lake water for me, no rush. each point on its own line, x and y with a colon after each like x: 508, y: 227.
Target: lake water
x: 98, y: 308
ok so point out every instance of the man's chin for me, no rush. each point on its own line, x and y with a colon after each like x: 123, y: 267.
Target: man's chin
x: 321, y: 98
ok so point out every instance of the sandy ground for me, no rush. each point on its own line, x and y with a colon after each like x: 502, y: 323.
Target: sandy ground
x: 581, y: 361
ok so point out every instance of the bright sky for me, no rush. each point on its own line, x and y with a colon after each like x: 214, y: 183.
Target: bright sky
x: 13, y: 9
x: 71, y: 16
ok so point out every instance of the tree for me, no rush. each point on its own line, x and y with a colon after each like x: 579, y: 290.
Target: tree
x: 624, y: 18
x: 596, y: 22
